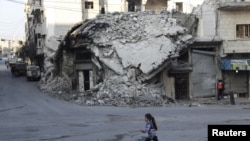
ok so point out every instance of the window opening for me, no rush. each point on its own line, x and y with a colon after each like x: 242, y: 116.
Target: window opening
x: 243, y: 31
x: 89, y: 5
x: 179, y: 6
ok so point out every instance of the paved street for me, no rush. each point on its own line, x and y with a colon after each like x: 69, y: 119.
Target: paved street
x: 27, y: 114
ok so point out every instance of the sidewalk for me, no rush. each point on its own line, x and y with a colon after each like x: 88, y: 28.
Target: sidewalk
x: 213, y: 101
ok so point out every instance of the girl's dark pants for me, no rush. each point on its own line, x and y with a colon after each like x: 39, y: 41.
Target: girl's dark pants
x: 154, y: 139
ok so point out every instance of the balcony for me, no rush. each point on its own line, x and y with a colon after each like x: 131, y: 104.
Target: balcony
x: 40, y: 29
x: 30, y: 17
x: 36, y: 9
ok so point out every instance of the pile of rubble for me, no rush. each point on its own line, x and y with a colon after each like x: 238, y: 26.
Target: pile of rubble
x: 115, y: 91
x: 55, y: 85
x: 50, y: 82
x: 132, y: 46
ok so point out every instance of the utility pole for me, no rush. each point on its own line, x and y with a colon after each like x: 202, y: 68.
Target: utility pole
x: 231, y: 93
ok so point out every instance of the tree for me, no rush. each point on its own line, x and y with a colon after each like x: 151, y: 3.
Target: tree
x: 28, y: 51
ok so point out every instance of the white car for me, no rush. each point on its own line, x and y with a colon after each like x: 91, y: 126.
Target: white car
x: 33, y: 72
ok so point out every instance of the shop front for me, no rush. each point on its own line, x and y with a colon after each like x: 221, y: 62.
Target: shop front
x: 235, y: 73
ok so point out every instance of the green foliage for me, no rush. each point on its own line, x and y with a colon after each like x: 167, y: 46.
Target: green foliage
x: 28, y: 50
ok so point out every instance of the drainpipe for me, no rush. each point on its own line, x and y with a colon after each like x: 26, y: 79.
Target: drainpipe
x: 217, y: 57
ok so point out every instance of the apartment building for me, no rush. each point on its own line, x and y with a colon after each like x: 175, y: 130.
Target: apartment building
x: 222, y: 48
x: 47, y: 19
x: 91, y: 8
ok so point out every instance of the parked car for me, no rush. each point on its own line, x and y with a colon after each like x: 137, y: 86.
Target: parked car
x: 33, y: 72
x: 18, y: 68
x: 12, y: 61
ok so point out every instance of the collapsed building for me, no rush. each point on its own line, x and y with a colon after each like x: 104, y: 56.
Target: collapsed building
x: 121, y: 59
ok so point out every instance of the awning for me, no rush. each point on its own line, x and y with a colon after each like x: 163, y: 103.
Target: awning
x: 235, y: 64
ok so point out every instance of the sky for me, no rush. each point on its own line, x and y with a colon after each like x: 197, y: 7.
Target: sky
x: 12, y: 19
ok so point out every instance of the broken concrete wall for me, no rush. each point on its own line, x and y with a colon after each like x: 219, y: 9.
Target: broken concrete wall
x: 68, y: 64
x: 190, y: 21
x: 50, y: 81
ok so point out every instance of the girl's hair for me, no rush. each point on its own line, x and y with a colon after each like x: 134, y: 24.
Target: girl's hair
x: 151, y: 118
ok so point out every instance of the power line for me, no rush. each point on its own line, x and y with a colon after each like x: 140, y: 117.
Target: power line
x: 12, y: 22
x: 57, y: 7
x: 15, y: 1
x: 48, y: 6
x: 65, y: 2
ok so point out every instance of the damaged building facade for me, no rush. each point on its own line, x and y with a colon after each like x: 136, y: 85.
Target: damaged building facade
x: 101, y: 55
x: 130, y: 55
x: 48, y: 19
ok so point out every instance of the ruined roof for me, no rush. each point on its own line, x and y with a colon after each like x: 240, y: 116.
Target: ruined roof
x: 234, y: 6
x: 142, y: 40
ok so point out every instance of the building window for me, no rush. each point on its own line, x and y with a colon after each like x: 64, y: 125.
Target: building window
x: 83, y: 57
x: 179, y: 6
x: 40, y: 2
x: 131, y: 6
x: 243, y: 31
x: 89, y: 5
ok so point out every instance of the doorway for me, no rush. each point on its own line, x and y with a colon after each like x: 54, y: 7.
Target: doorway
x: 86, y: 80
x: 181, y: 86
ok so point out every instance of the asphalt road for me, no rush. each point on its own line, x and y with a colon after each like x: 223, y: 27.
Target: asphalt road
x: 27, y: 114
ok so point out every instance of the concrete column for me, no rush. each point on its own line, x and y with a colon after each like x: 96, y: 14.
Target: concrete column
x: 169, y: 85
x: 81, y: 81
x: 190, y: 95
x: 91, y: 84
x: 143, y: 5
